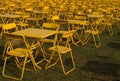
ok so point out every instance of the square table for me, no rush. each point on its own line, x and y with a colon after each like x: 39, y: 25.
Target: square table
x: 37, y: 34
x: 9, y: 18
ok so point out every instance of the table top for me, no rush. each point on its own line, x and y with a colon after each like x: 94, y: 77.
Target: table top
x: 37, y: 12
x: 3, y: 8
x: 35, y: 33
x: 10, y: 16
x: 79, y: 22
x: 95, y: 16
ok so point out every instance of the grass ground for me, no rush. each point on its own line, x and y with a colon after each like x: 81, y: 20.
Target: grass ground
x: 92, y: 64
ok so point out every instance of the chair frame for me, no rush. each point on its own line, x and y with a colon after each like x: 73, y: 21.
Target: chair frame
x: 17, y: 53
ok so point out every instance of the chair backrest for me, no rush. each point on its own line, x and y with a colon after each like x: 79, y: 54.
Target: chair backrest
x: 97, y: 13
x: 9, y: 26
x: 55, y: 17
x: 19, y: 13
x: 20, y: 39
x: 12, y: 36
x: 81, y: 17
x: 28, y: 12
x: 51, y: 26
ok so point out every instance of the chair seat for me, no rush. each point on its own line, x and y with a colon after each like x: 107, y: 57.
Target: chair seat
x: 1, y: 24
x: 66, y: 34
x: 19, y: 52
x: 25, y: 16
x: 22, y: 24
x: 92, y: 31
x: 62, y: 31
x: 31, y: 19
x: 48, y: 40
x: 106, y: 23
x: 60, y: 49
x: 79, y: 28
x: 117, y: 19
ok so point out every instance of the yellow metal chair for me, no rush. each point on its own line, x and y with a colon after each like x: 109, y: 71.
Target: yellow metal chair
x: 1, y: 24
x: 80, y: 17
x: 94, y: 32
x: 80, y: 26
x: 107, y: 22
x: 51, y: 26
x: 61, y: 50
x: 21, y: 55
x: 54, y: 18
x: 49, y: 39
x: 22, y: 21
x: 67, y: 36
x: 11, y: 27
x: 29, y: 17
x: 63, y: 23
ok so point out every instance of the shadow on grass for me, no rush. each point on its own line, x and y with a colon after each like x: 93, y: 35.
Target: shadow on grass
x: 114, y: 44
x: 1, y: 49
x: 102, y: 68
x: 1, y: 62
x: 103, y: 57
x: 115, y: 80
x: 1, y: 52
x: 118, y: 33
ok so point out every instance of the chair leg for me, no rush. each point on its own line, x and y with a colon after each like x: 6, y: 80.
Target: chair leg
x: 110, y: 30
x: 19, y: 64
x: 62, y: 65
x: 48, y: 65
x: 8, y: 76
x: 97, y: 40
x: 78, y: 36
x: 87, y: 37
x: 118, y: 24
x: 4, y: 51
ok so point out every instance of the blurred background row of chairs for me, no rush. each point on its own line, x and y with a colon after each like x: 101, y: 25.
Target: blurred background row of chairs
x: 73, y: 21
x: 35, y: 13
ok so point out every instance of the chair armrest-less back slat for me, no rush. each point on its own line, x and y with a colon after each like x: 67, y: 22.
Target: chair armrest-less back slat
x: 12, y: 36
x: 9, y: 26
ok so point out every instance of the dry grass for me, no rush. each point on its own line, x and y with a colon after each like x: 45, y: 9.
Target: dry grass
x: 102, y: 64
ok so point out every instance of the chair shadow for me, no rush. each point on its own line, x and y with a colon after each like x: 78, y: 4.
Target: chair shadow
x: 116, y: 80
x: 1, y: 62
x: 1, y: 52
x: 118, y: 33
x: 102, y: 68
x: 114, y: 44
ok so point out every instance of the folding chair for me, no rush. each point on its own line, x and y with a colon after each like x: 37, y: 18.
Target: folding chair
x: 79, y: 26
x: 67, y: 36
x: 50, y: 26
x: 54, y: 18
x: 38, y: 16
x: 61, y: 50
x: 1, y: 24
x: 30, y: 19
x: 94, y: 32
x: 21, y: 22
x: 11, y: 27
x: 21, y: 55
x: 49, y: 40
x: 63, y: 23
x: 107, y: 23
x: 80, y: 17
